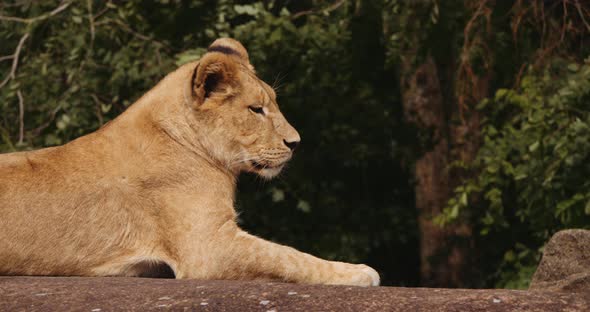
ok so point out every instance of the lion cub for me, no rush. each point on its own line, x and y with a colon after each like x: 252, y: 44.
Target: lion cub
x: 156, y: 185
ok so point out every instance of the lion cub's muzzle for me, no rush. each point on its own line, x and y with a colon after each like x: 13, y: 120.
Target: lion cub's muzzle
x: 269, y: 163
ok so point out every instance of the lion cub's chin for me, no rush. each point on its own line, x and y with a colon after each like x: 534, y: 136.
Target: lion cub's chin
x: 267, y: 173
x: 263, y: 170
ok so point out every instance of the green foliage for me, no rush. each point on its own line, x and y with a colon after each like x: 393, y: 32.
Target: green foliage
x: 532, y: 168
x: 77, y: 70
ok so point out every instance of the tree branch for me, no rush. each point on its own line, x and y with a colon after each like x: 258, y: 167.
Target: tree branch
x: 21, y: 117
x: 55, y: 11
x: 138, y: 35
x: 6, y: 57
x: 579, y: 7
x: 38, y: 130
x: 15, y: 57
x: 98, y: 109
x: 103, y: 11
x: 91, y: 21
x: 328, y: 9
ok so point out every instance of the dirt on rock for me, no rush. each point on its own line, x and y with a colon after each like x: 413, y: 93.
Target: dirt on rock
x: 146, y: 294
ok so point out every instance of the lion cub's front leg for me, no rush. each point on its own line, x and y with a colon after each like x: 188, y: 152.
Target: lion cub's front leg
x: 255, y: 256
x: 248, y: 257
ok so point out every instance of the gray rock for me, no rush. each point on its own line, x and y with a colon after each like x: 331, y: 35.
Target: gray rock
x: 565, y: 265
x: 147, y: 294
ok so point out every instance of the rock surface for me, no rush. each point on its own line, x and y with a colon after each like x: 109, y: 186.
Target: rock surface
x: 144, y: 294
x: 566, y: 263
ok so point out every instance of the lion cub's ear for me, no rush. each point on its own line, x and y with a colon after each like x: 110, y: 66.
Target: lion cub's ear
x: 215, y: 75
x: 232, y: 48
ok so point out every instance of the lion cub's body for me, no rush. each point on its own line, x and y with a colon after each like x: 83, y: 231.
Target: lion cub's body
x: 99, y: 199
x: 156, y: 185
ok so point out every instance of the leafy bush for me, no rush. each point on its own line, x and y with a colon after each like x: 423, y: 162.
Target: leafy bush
x: 532, y: 170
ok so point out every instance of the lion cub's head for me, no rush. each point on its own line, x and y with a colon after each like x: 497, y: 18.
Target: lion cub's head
x: 236, y: 113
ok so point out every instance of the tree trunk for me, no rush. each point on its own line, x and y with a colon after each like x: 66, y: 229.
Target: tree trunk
x: 442, y: 250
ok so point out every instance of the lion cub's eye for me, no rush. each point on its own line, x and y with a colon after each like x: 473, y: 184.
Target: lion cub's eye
x: 256, y: 109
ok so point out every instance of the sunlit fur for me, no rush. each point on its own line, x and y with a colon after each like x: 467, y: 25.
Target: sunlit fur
x: 157, y: 184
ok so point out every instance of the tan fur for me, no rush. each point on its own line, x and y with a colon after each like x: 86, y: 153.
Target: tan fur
x: 156, y: 185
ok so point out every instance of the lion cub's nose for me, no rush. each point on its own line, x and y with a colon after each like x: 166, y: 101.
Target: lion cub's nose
x: 292, y: 144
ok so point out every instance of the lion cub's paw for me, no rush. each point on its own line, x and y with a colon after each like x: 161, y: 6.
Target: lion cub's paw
x: 368, y: 276
x: 357, y: 275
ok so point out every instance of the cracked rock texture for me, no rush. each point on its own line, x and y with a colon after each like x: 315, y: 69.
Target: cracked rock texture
x: 145, y: 294
x: 566, y: 263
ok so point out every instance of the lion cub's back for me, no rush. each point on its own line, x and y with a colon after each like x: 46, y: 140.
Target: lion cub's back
x: 24, y: 170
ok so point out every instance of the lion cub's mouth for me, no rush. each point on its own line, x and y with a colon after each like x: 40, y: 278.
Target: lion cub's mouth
x: 260, y: 166
x: 267, y: 169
